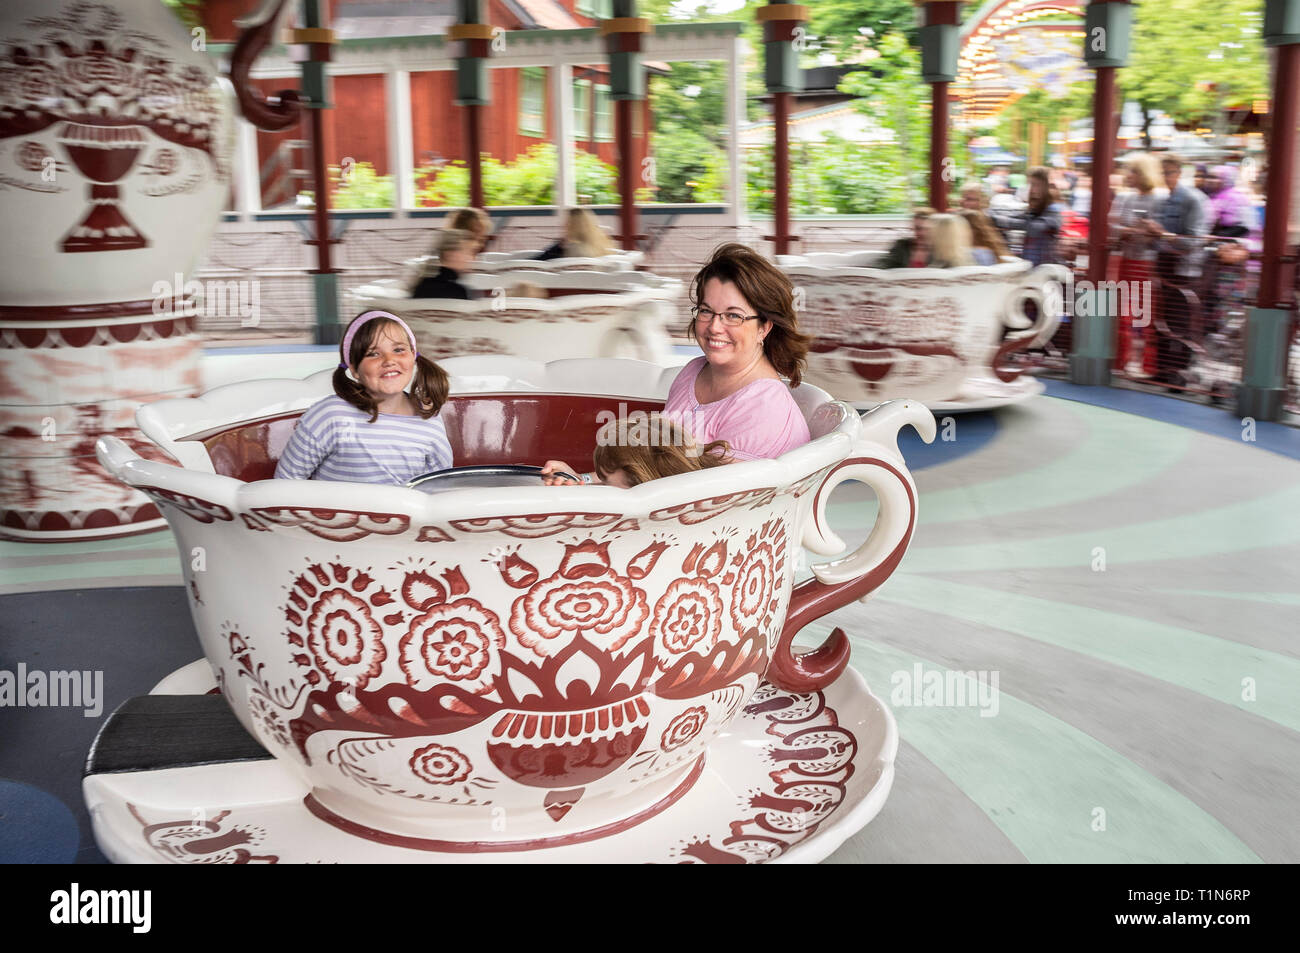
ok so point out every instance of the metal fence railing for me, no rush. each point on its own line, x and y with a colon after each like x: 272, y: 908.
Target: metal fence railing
x: 1192, y: 342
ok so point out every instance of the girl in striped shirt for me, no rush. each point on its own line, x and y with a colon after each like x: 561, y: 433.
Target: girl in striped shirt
x: 372, y: 430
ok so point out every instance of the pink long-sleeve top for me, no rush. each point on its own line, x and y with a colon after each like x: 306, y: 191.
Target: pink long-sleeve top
x: 759, y: 421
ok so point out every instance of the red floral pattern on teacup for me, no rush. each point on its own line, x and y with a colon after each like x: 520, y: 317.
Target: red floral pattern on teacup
x: 263, y: 711
x: 688, y: 616
x: 191, y: 506
x: 457, y: 641
x: 340, y: 526
x: 683, y: 729
x: 701, y: 510
x: 331, y: 614
x: 536, y: 526
x: 344, y: 639
x: 759, y: 566
x: 584, y: 596
x: 440, y: 764
x: 422, y: 590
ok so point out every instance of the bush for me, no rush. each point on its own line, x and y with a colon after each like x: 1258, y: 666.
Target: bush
x: 833, y: 176
x: 688, y: 167
x: 362, y: 188
x: 529, y: 180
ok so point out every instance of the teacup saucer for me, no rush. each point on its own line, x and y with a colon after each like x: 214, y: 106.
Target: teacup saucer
x: 989, y: 393
x: 792, y: 778
x: 979, y: 393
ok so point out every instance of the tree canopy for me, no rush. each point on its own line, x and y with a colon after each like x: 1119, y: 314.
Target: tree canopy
x: 1192, y: 59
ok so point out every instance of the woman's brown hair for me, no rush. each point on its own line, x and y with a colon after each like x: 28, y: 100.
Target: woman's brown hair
x: 1044, y: 175
x: 769, y: 293
x: 984, y: 233
x: 650, y: 446
x: 429, y: 383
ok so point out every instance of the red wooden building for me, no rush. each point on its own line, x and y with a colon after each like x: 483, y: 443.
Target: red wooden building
x: 357, y: 128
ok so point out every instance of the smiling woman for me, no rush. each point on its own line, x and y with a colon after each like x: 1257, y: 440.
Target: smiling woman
x: 372, y: 430
x: 745, y: 323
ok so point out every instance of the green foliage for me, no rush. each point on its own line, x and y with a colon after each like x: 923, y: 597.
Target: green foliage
x: 833, y: 176
x: 893, y: 94
x: 1193, y: 59
x: 596, y: 181
x: 689, y: 140
x: 1039, y: 106
x: 187, y: 11
x: 713, y: 73
x: 529, y: 180
x: 361, y: 188
x: 688, y: 167
x: 705, y: 112
x: 839, y: 24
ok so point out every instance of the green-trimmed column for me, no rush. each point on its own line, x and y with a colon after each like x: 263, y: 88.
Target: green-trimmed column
x: 1269, y: 324
x: 1105, y: 48
x: 472, y: 89
x: 940, y: 38
x: 318, y: 39
x: 622, y: 33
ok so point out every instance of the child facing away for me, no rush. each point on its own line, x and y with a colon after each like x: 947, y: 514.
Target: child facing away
x: 642, y: 447
x: 372, y: 430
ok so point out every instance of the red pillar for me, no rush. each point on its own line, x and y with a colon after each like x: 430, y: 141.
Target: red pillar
x: 627, y: 171
x: 1273, y: 278
x: 938, y: 146
x: 473, y: 140
x: 781, y: 149
x: 1105, y: 126
x: 940, y: 40
x: 321, y: 184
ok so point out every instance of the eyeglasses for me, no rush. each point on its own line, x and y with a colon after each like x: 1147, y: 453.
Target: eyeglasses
x: 731, y: 319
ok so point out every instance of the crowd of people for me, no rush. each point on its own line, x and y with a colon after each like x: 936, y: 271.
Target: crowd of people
x: 468, y: 232
x: 1193, y: 240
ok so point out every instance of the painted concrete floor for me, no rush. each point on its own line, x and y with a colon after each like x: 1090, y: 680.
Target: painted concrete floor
x: 1131, y: 582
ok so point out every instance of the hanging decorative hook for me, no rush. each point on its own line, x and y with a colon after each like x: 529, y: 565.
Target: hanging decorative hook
x: 257, y: 30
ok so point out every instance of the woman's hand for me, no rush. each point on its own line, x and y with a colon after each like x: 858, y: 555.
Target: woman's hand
x: 559, y: 473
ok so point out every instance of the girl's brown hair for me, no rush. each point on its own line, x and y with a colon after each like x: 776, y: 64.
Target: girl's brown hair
x: 472, y: 220
x: 984, y: 233
x: 769, y: 293
x: 650, y: 446
x: 429, y: 383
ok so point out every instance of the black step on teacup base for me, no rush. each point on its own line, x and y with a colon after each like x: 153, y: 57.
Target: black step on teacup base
x: 154, y: 732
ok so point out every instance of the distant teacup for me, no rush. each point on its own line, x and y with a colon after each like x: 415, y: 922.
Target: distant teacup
x: 919, y: 332
x: 491, y: 669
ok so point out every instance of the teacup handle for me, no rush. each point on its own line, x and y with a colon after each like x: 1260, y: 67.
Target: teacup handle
x: 1041, y: 286
x: 257, y: 31
x: 841, y: 581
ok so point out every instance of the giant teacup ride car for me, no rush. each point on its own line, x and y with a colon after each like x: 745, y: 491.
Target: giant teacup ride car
x: 943, y: 336
x: 622, y: 262
x: 527, y: 259
x: 540, y: 673
x: 588, y: 314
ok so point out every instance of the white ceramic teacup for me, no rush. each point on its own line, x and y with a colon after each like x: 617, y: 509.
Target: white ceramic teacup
x: 919, y: 332
x: 488, y: 669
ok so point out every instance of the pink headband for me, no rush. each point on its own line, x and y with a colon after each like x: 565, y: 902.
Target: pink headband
x: 370, y: 316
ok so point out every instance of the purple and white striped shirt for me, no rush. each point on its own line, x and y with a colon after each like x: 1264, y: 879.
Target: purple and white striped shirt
x: 336, y: 441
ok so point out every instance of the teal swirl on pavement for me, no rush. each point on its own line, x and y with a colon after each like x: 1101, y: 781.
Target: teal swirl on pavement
x: 1133, y: 585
